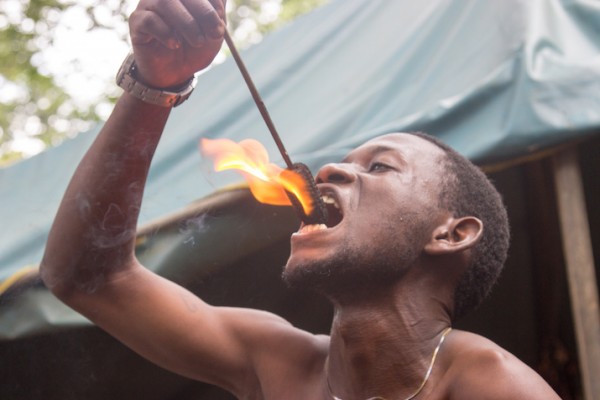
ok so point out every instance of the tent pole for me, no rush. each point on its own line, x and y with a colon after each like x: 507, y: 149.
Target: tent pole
x: 579, y: 267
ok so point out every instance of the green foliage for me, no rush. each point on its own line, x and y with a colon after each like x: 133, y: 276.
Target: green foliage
x: 34, y: 106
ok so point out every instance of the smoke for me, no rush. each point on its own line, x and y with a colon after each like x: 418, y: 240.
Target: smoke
x: 193, y: 226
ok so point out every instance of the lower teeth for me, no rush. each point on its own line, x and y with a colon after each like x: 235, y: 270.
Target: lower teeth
x: 311, y: 228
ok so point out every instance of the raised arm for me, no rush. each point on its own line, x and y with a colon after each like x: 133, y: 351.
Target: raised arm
x: 89, y: 261
x: 93, y: 235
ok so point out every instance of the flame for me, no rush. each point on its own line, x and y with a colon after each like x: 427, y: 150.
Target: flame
x: 267, y: 181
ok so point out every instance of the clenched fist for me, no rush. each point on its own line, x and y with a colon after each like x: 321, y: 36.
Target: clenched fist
x: 173, y: 39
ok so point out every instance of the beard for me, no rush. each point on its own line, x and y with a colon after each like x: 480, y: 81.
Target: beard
x: 361, y: 268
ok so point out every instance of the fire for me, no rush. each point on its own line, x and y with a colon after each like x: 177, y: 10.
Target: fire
x: 268, y: 182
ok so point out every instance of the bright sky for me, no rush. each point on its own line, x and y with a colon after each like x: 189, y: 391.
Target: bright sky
x: 81, y: 61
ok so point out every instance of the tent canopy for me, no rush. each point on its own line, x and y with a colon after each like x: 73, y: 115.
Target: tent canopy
x: 495, y: 80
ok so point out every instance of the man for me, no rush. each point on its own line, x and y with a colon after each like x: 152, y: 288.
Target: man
x: 403, y: 255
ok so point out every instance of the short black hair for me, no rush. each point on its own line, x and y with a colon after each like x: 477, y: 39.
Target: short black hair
x: 466, y: 191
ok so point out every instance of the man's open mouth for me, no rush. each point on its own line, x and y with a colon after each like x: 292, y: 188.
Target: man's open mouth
x: 334, y: 211
x: 335, y: 214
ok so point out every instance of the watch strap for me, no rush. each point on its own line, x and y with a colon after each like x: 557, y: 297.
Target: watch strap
x: 126, y: 79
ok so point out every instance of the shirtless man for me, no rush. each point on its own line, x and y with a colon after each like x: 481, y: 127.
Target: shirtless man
x: 419, y: 238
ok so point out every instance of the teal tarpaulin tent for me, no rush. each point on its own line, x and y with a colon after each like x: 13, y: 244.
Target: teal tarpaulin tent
x: 497, y: 80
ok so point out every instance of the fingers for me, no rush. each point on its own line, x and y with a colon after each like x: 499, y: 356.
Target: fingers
x: 146, y: 26
x: 219, y: 7
x: 209, y: 16
x: 172, y: 22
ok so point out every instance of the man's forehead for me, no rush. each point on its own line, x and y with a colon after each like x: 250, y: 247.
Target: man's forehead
x: 404, y: 143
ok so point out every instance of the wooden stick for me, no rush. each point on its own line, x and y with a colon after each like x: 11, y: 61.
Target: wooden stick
x: 258, y: 100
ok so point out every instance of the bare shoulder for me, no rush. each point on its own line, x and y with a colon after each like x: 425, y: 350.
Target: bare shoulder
x: 284, y: 341
x: 480, y: 369
x: 259, y: 325
x: 286, y: 362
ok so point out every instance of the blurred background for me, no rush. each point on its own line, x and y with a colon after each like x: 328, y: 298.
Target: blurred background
x: 59, y: 59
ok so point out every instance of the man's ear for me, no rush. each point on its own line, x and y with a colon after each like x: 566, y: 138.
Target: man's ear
x: 455, y: 235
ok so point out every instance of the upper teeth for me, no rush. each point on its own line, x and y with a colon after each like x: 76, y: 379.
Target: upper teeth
x: 330, y: 200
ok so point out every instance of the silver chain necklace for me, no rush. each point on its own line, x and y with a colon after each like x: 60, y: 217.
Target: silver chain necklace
x: 427, y: 374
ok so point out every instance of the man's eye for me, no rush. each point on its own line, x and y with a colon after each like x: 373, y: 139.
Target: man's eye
x: 377, y: 167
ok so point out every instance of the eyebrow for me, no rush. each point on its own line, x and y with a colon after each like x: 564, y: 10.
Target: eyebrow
x: 376, y: 150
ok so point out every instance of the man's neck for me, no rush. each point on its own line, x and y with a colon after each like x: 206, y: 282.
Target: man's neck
x: 382, y: 345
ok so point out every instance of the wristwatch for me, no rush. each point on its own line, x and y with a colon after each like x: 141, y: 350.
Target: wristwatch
x: 126, y: 79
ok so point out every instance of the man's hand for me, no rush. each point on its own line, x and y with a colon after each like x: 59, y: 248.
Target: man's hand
x: 173, y: 39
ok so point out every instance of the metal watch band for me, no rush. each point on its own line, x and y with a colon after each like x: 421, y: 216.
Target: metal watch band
x: 126, y: 79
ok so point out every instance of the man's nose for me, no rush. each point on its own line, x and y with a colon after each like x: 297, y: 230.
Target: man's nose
x: 336, y: 173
